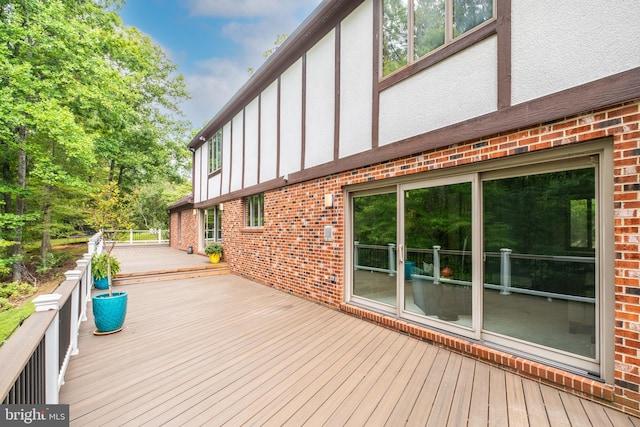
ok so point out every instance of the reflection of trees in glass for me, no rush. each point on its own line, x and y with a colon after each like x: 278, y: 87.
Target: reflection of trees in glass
x: 438, y: 216
x: 468, y: 14
x: 394, y: 35
x: 428, y: 26
x: 532, y: 214
x: 431, y: 24
x: 374, y: 219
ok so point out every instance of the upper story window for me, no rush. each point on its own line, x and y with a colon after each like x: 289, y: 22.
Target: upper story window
x: 215, y: 152
x: 431, y: 24
x: 254, y: 211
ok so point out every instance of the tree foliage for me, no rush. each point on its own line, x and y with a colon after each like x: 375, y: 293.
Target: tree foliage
x: 84, y: 101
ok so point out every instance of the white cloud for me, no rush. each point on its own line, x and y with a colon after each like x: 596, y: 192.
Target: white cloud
x: 251, y: 27
x: 247, y: 8
x: 211, y: 86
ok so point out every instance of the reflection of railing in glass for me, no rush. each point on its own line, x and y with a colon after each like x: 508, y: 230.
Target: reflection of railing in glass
x: 568, y: 278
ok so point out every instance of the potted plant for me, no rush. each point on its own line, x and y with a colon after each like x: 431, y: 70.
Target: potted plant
x: 100, y: 272
x: 214, y: 250
x: 110, y: 211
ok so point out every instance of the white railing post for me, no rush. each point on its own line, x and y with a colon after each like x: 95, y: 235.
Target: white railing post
x: 505, y: 271
x: 355, y: 254
x: 88, y: 284
x: 160, y: 235
x: 131, y: 237
x: 436, y: 264
x: 75, y: 310
x: 52, y: 342
x: 83, y: 265
x: 392, y: 259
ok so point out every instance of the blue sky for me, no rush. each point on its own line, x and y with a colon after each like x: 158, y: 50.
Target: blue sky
x: 214, y: 42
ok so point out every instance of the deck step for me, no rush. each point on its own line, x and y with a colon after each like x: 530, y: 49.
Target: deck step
x: 171, y: 274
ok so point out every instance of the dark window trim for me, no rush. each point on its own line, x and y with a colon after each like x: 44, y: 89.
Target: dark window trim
x: 461, y: 43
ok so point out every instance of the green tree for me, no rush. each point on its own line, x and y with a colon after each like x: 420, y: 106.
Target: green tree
x: 83, y: 101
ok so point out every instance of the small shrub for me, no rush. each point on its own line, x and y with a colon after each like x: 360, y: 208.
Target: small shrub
x: 5, y: 304
x: 99, y: 266
x: 213, y: 248
x: 16, y: 290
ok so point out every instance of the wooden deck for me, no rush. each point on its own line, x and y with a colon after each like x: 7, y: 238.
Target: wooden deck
x: 223, y: 350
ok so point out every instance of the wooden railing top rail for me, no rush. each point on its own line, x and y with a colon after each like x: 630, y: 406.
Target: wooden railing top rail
x: 17, y: 350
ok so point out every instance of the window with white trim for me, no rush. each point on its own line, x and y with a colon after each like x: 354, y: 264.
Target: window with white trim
x: 215, y: 152
x: 254, y: 211
x: 411, y: 29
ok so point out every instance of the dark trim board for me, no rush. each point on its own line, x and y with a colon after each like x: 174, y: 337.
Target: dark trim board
x: 503, y: 30
x: 336, y: 108
x: 616, y: 89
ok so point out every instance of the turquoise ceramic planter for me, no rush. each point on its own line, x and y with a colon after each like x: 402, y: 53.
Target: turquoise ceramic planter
x: 101, y: 284
x: 109, y: 311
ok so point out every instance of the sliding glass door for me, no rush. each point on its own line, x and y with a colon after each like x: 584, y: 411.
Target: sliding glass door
x: 509, y: 257
x: 540, y: 259
x: 374, y: 248
x: 438, y: 256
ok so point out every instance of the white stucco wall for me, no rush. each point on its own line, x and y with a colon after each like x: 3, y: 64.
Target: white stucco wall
x: 356, y: 85
x: 269, y: 132
x: 561, y: 44
x: 291, y: 119
x: 251, y: 147
x: 236, y: 152
x: 461, y: 87
x: 197, y: 179
x: 226, y: 157
x: 213, y: 186
x: 320, y: 102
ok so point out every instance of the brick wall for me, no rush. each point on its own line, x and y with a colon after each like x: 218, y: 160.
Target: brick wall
x: 290, y: 252
x: 184, y: 229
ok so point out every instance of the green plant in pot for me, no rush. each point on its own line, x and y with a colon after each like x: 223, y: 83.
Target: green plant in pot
x: 214, y: 250
x: 100, y: 270
x: 110, y: 211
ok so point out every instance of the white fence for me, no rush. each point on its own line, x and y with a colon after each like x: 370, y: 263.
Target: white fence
x: 133, y: 237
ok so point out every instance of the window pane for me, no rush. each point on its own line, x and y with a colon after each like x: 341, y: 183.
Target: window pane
x: 213, y: 223
x: 438, y: 238
x: 468, y: 14
x: 538, y: 286
x: 428, y: 26
x: 254, y: 206
x: 374, y: 235
x: 394, y: 35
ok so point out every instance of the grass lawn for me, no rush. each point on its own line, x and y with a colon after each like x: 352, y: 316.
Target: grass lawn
x: 9, y: 320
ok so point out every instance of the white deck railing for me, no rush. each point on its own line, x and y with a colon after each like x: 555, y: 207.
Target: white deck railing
x: 384, y: 261
x: 35, y: 358
x: 132, y: 237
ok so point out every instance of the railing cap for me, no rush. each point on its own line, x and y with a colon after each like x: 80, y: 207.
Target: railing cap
x: 73, y: 274
x: 47, y: 302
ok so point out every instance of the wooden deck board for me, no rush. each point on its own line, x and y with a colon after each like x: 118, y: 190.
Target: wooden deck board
x: 441, y: 409
x: 533, y: 399
x: 479, y: 405
x: 221, y: 349
x: 424, y: 402
x: 461, y: 402
x: 516, y: 406
x: 383, y: 386
x: 498, y: 412
x: 555, y: 408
